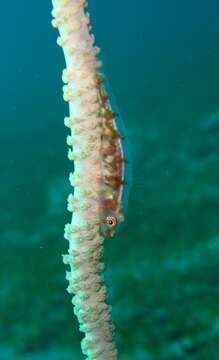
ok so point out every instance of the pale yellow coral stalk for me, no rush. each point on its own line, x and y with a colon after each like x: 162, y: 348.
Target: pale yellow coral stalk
x: 85, y: 242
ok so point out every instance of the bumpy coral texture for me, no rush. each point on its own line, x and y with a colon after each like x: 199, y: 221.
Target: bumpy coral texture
x: 84, y: 121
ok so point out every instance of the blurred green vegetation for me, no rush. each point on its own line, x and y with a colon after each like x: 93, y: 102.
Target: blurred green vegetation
x: 162, y: 268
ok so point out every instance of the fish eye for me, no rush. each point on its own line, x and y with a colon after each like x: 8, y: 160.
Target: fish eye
x: 111, y: 221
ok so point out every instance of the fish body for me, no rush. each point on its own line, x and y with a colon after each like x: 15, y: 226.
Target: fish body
x: 116, y: 162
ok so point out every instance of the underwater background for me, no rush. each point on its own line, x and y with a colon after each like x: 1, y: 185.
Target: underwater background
x: 162, y: 268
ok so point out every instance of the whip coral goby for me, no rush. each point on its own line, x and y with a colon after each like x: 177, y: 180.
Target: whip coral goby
x: 98, y: 179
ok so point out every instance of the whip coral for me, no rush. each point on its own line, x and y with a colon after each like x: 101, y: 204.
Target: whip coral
x: 98, y: 177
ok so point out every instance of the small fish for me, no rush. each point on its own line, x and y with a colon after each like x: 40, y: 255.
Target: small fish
x: 116, y: 162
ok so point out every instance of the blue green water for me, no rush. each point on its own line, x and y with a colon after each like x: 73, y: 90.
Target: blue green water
x: 161, y: 58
